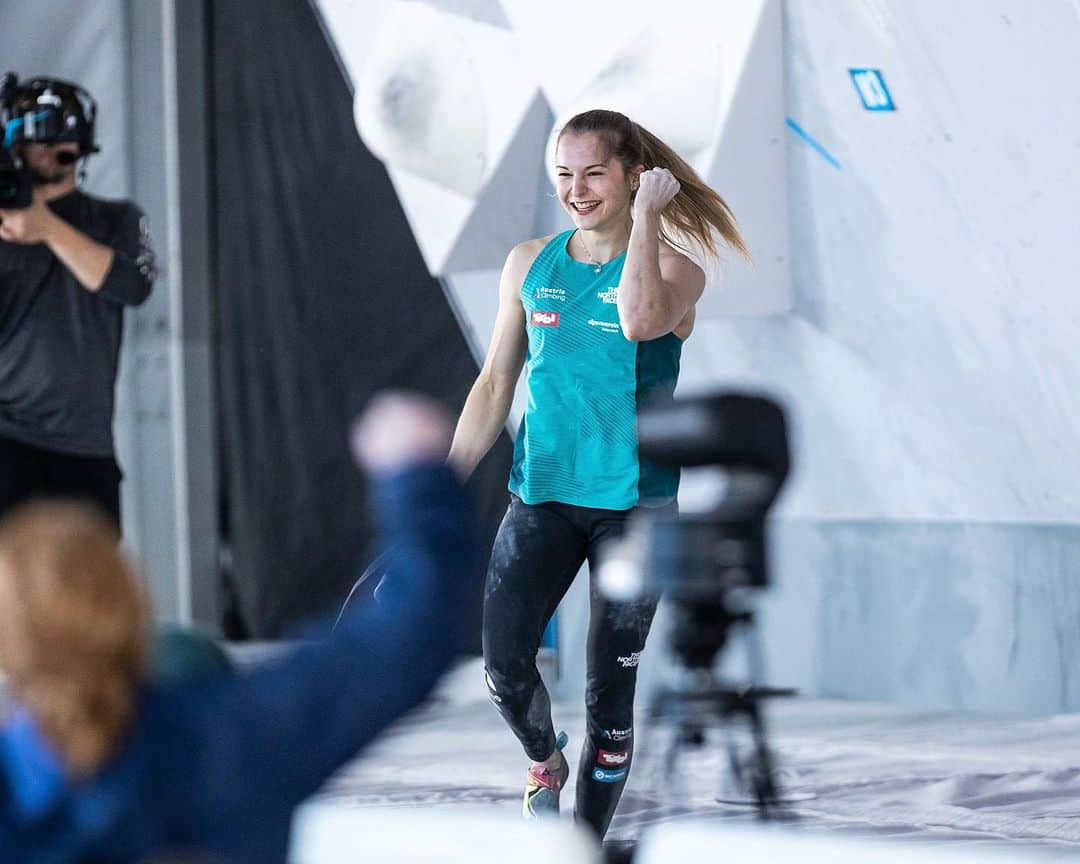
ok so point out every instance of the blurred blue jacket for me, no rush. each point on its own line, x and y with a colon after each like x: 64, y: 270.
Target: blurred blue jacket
x: 216, y: 767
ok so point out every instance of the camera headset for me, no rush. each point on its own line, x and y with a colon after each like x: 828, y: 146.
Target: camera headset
x: 47, y: 111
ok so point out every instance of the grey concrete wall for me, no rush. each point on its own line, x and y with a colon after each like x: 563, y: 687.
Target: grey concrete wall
x: 942, y: 614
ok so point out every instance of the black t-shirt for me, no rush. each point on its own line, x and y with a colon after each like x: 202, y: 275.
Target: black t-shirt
x: 60, y: 343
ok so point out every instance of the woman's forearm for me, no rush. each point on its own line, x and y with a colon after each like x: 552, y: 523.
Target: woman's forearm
x: 481, y: 421
x: 644, y: 301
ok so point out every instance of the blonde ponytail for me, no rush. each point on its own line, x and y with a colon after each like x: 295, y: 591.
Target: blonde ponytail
x: 697, y: 211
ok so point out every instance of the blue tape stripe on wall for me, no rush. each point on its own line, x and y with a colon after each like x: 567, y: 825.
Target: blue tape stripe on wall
x: 802, y: 133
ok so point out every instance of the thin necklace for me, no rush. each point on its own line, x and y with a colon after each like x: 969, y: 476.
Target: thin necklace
x: 588, y: 254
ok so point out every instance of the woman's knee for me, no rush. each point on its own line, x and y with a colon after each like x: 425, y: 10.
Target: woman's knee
x: 510, y: 684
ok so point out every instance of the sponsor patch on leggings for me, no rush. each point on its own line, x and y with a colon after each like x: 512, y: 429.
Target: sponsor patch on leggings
x: 610, y: 759
x: 618, y: 734
x: 605, y: 775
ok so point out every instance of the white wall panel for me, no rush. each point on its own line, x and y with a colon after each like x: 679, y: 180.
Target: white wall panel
x: 932, y: 269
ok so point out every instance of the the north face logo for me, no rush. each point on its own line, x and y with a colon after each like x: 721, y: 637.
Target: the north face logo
x: 545, y: 319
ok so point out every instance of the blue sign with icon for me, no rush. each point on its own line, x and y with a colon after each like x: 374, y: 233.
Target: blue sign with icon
x: 872, y: 90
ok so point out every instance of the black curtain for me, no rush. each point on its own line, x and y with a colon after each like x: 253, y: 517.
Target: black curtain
x: 322, y: 298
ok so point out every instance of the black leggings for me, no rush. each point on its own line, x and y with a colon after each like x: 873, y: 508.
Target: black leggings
x: 538, y: 551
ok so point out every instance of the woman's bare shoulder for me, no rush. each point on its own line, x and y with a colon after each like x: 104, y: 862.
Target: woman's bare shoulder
x: 534, y: 246
x: 521, y: 257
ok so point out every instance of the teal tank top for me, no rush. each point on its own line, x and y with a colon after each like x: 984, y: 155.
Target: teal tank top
x: 577, y: 443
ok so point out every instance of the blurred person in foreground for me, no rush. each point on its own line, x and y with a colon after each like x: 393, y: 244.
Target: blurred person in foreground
x: 98, y: 764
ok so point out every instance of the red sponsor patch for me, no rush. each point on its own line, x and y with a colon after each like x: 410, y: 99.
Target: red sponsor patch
x: 545, y: 319
x: 606, y: 757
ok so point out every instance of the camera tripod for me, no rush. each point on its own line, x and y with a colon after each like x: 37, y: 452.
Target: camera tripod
x: 698, y: 701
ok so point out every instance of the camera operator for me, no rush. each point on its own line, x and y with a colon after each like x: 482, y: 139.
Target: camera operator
x: 69, y: 264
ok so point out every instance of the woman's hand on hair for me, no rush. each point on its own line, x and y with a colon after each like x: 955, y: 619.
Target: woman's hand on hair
x: 656, y: 188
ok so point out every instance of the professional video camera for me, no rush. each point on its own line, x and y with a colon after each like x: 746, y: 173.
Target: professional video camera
x: 41, y: 111
x: 705, y: 564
